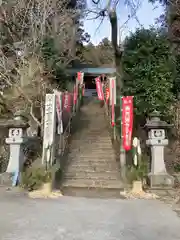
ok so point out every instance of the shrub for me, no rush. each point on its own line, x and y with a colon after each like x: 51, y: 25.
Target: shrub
x: 33, y: 178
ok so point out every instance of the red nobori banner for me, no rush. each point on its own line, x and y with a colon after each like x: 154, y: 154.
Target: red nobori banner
x: 67, y: 101
x: 107, y: 95
x: 127, y: 121
x: 112, y: 107
x: 99, y: 88
x: 80, y: 77
x: 75, y: 93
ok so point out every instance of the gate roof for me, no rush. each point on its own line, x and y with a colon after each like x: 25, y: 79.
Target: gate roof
x: 92, y: 71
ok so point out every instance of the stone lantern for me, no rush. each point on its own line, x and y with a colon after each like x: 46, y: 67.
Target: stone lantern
x: 157, y: 140
x: 16, y: 140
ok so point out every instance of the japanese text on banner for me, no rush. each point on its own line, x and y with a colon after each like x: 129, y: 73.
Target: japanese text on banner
x: 107, y: 95
x: 67, y: 102
x: 75, y: 93
x: 80, y: 77
x: 99, y: 89
x: 112, y: 107
x: 127, y: 121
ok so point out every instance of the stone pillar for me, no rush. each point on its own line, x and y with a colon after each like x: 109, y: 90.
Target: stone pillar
x: 157, y: 141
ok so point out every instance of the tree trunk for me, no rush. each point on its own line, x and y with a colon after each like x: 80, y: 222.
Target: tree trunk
x: 117, y: 49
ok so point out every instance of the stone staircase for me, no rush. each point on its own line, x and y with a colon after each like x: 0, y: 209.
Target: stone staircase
x: 91, y: 168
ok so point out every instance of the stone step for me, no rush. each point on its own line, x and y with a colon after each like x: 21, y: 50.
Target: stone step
x: 96, y: 143
x: 93, y: 192
x: 93, y: 138
x: 94, y: 117
x: 102, y: 135
x: 93, y: 147
x: 101, y: 138
x: 90, y: 183
x: 92, y: 175
x: 87, y: 151
x: 98, y: 168
x: 98, y: 127
x: 96, y: 139
x: 92, y: 113
x: 91, y: 158
x: 100, y: 131
x: 93, y: 171
x: 91, y: 165
x: 97, y: 164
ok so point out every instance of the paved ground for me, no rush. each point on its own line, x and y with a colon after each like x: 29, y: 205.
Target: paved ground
x: 86, y: 219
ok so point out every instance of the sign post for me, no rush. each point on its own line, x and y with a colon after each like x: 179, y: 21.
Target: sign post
x: 49, y: 129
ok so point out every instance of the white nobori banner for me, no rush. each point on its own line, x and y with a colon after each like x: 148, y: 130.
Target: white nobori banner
x: 49, y: 128
x: 112, y: 90
x: 59, y: 107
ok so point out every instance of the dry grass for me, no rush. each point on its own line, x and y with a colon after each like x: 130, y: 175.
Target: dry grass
x: 45, y: 192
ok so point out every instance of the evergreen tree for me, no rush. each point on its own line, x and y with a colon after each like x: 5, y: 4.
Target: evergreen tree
x: 148, y: 72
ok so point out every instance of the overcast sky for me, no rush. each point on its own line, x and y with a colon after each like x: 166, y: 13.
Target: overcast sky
x: 146, y: 16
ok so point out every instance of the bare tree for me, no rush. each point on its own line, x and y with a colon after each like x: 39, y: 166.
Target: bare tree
x: 25, y: 76
x: 110, y: 10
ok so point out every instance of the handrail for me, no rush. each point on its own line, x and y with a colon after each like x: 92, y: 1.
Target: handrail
x: 63, y: 141
x: 67, y: 131
x: 107, y: 109
x: 113, y: 131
